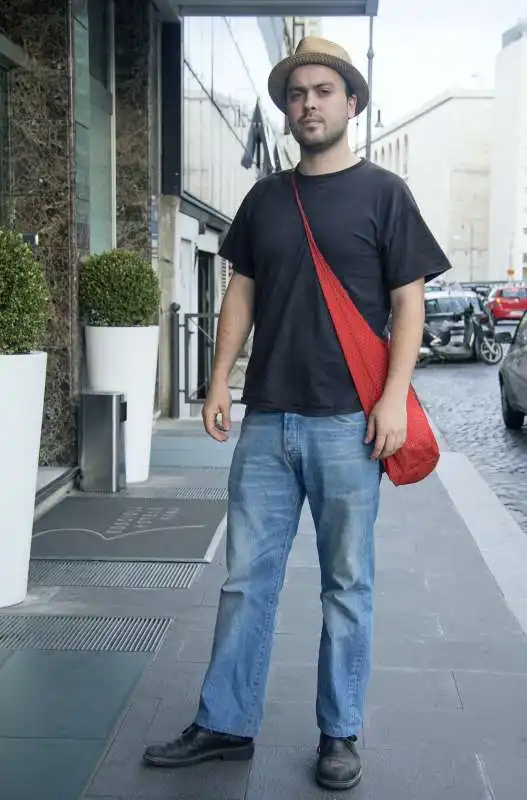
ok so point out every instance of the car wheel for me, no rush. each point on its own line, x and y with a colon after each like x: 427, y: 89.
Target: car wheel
x: 512, y: 419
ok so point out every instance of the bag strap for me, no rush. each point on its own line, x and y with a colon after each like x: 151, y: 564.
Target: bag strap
x: 318, y: 258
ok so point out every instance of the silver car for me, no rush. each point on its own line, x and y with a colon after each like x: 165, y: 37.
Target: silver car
x: 513, y: 376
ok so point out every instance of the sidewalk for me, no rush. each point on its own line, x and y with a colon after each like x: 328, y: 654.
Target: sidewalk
x: 447, y: 709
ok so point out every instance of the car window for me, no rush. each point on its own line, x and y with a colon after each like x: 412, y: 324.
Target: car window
x: 515, y: 292
x: 520, y: 339
x: 449, y: 305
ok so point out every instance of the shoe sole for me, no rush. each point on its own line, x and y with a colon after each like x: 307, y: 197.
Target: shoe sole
x: 339, y: 786
x: 236, y: 754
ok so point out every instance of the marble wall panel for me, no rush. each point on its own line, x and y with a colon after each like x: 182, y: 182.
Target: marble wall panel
x: 42, y: 191
x: 134, y: 41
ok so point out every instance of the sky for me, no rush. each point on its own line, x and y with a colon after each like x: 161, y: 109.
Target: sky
x: 423, y: 47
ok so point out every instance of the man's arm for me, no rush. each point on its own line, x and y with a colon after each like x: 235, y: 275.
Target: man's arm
x: 234, y: 327
x: 387, y: 422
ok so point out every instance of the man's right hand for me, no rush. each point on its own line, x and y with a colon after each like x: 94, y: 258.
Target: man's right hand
x: 216, y: 412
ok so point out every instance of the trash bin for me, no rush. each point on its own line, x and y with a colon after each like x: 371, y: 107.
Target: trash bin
x: 101, y: 442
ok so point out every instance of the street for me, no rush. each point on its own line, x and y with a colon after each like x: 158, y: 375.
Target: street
x: 464, y: 402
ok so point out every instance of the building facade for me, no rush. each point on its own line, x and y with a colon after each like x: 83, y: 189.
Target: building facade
x: 508, y: 233
x: 79, y: 164
x: 123, y: 128
x: 231, y: 135
x: 133, y: 124
x: 442, y: 151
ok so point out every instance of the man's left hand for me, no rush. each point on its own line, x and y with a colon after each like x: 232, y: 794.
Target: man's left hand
x: 387, y: 426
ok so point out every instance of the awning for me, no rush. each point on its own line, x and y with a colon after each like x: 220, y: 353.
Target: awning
x: 270, y: 8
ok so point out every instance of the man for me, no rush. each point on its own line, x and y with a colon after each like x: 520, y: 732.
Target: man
x: 304, y: 433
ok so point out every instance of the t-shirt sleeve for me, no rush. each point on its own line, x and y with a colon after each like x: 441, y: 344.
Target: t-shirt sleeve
x: 409, y: 250
x: 237, y: 245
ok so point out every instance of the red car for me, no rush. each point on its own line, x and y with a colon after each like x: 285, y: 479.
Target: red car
x: 508, y: 303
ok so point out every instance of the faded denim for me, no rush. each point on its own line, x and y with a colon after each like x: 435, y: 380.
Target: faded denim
x: 278, y: 461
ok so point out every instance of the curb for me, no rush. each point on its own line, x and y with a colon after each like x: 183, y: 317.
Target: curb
x: 498, y: 536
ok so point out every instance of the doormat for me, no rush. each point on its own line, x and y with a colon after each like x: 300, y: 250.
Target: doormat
x: 127, y: 529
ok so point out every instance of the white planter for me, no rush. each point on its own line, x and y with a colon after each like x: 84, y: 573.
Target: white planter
x: 22, y: 385
x: 125, y: 360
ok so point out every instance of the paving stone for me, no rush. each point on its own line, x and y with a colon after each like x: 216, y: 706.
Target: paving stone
x: 398, y: 774
x: 66, y: 695
x: 446, y: 705
x: 501, y: 694
x: 4, y: 655
x: 213, y: 781
x: 477, y: 656
x: 413, y: 689
x: 505, y: 776
x: 471, y: 731
x: 289, y: 724
x: 47, y: 769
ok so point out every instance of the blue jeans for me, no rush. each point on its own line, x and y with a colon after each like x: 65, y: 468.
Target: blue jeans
x: 278, y: 461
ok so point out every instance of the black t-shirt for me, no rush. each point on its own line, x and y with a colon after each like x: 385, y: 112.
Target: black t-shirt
x: 367, y: 225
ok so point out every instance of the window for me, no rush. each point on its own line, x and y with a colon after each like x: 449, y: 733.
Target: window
x: 99, y: 33
x: 405, y: 155
x: 446, y: 305
x: 219, y: 105
x: 520, y: 340
x: 514, y: 292
x: 101, y: 136
x: 4, y: 147
x: 398, y: 157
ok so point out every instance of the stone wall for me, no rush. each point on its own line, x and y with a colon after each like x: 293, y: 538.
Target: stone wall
x: 49, y: 187
x: 136, y: 123
x: 42, y: 191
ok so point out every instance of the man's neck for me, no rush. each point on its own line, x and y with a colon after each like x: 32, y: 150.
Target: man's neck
x: 335, y: 159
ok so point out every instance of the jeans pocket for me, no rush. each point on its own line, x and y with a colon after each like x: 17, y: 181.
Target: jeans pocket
x: 357, y: 419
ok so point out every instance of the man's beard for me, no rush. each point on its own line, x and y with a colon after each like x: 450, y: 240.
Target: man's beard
x: 314, y: 147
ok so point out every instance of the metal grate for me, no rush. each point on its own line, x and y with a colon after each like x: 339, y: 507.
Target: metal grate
x: 101, y: 634
x: 181, y: 493
x: 119, y: 574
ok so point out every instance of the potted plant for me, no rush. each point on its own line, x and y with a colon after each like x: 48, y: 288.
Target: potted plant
x: 24, y: 316
x: 119, y: 302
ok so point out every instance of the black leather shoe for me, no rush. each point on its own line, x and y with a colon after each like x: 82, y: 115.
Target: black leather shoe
x: 339, y: 765
x: 196, y: 745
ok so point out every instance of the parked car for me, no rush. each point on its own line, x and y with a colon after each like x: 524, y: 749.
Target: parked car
x: 513, y: 376
x: 446, y: 306
x: 507, y: 303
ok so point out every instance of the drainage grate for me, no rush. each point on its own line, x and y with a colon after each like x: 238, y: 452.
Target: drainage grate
x: 181, y: 493
x: 118, y: 574
x: 102, y: 634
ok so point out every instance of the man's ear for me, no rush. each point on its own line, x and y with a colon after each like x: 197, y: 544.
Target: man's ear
x: 352, y: 107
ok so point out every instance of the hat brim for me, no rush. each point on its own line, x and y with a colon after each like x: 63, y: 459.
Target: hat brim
x: 280, y: 75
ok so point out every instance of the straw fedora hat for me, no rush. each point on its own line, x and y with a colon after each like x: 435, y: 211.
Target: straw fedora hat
x: 313, y: 50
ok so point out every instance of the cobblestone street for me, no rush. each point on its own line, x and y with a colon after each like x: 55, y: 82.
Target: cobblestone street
x: 464, y: 401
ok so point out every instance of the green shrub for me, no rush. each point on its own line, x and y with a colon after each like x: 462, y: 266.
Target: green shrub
x: 118, y: 289
x: 24, y: 297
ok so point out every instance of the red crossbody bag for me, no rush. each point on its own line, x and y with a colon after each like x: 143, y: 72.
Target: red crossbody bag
x: 367, y: 357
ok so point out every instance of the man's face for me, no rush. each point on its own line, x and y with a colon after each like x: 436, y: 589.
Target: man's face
x: 318, y: 107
